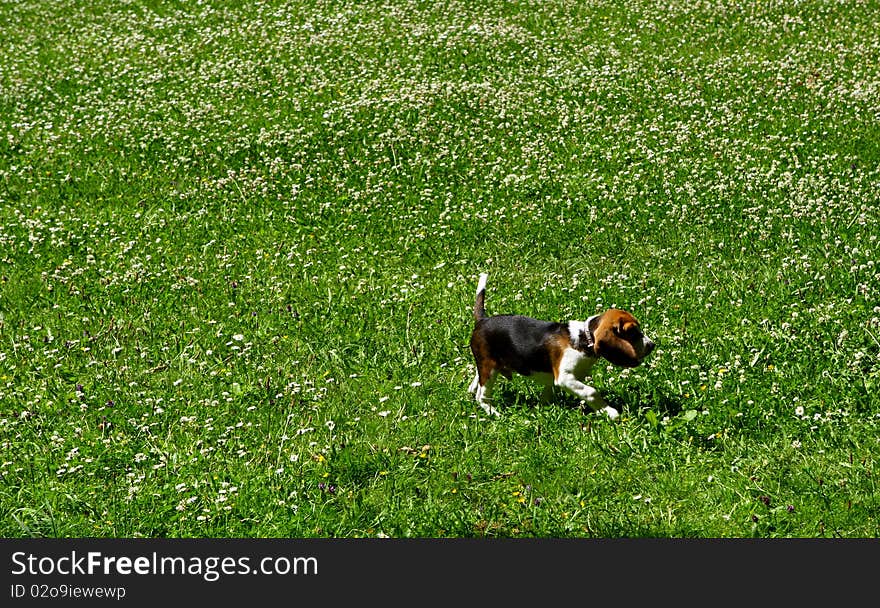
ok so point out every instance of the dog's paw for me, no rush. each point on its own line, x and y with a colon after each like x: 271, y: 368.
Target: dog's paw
x: 489, y: 409
x: 612, y: 413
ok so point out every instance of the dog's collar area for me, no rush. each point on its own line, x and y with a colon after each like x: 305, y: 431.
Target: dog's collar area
x: 587, y: 342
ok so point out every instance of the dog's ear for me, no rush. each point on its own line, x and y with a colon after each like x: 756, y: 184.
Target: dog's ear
x: 625, y: 326
x: 612, y: 345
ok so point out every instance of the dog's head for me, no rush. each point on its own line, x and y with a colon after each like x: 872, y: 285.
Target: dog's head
x: 619, y: 338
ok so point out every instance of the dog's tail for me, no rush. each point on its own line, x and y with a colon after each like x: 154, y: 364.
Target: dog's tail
x: 480, y: 304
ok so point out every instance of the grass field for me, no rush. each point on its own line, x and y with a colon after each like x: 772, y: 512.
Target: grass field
x: 239, y: 244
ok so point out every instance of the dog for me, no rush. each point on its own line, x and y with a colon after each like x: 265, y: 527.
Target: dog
x: 557, y: 354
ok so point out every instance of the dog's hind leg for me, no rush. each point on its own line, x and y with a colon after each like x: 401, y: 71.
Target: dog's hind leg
x: 484, y: 393
x: 475, y: 384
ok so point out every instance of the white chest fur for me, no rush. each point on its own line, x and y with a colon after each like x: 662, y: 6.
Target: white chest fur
x: 575, y: 363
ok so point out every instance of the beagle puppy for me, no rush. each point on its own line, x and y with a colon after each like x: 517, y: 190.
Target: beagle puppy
x: 557, y: 354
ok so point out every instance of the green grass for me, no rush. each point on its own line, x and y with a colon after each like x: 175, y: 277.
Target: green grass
x: 239, y: 244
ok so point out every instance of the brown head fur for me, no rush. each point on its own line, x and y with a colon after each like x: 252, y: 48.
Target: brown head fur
x: 618, y: 338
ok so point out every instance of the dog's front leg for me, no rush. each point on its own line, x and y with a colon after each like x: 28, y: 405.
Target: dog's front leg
x: 587, y: 393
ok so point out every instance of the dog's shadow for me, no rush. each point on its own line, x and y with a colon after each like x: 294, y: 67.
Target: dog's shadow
x: 629, y: 400
x: 637, y: 398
